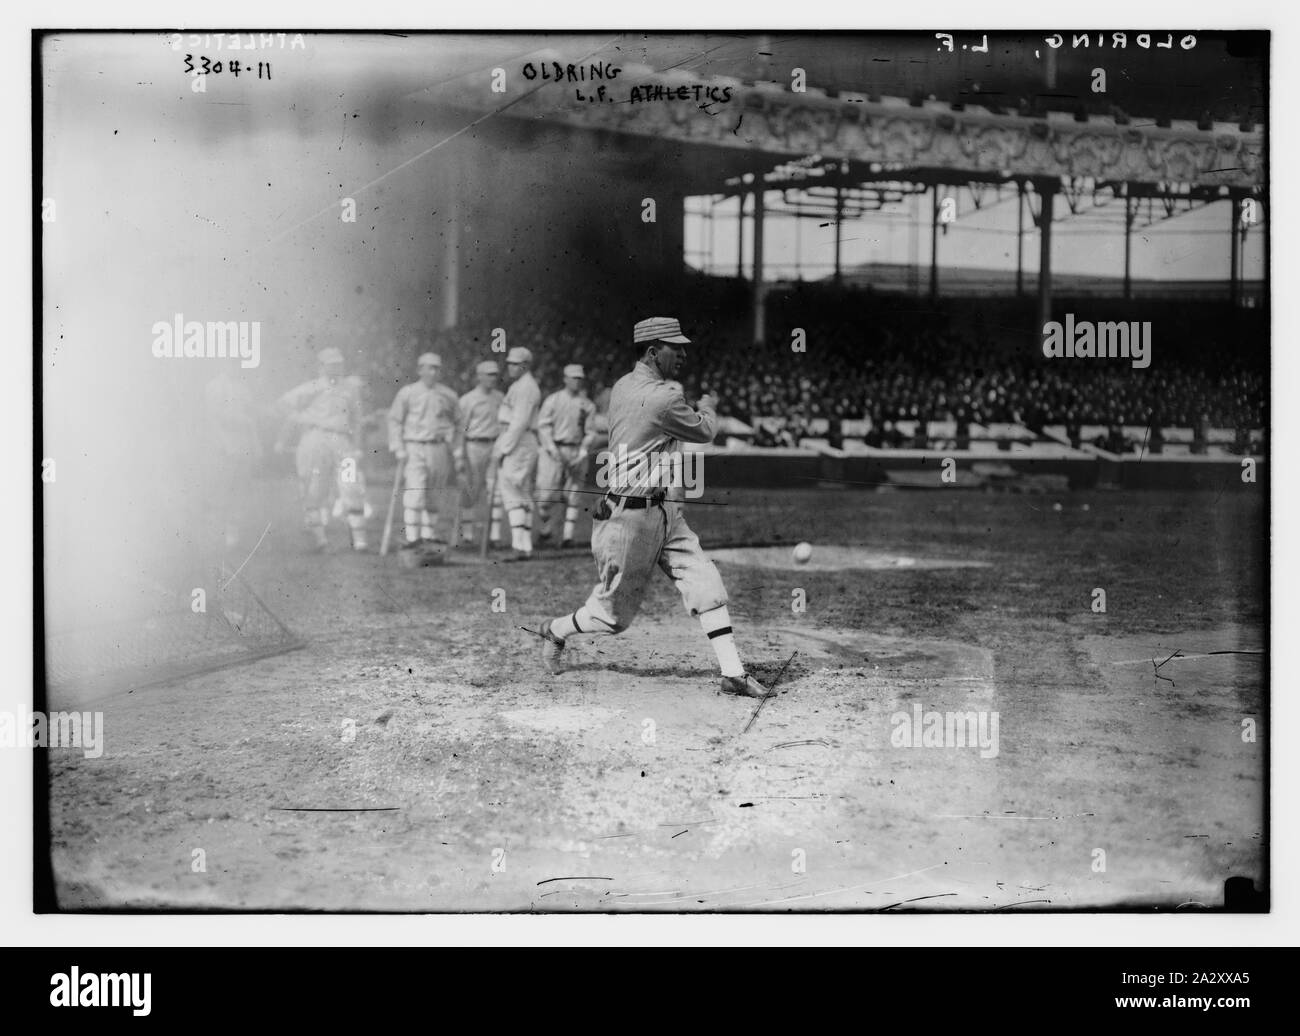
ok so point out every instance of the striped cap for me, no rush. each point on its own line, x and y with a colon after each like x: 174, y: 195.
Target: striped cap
x: 487, y: 367
x: 429, y: 360
x: 330, y: 355
x: 519, y: 355
x: 574, y: 370
x: 659, y: 329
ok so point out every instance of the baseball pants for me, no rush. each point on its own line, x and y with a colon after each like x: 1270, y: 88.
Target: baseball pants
x: 518, y: 473
x: 564, y: 475
x: 630, y: 544
x: 325, y: 478
x: 474, y: 502
x: 426, y: 496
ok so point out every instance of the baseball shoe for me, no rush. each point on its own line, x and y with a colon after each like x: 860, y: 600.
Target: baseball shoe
x: 745, y: 686
x: 566, y: 544
x: 543, y: 539
x: 552, y: 647
x: 519, y: 555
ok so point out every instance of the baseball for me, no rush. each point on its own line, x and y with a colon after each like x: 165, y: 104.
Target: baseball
x: 802, y: 553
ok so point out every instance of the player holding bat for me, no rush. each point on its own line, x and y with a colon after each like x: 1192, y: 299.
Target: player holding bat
x: 637, y: 527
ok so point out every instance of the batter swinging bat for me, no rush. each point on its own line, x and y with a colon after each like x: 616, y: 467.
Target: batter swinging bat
x: 392, y: 508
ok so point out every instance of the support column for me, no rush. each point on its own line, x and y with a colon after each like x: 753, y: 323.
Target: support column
x: 1020, y: 239
x: 451, y: 251
x: 934, y: 244
x: 1128, y: 246
x: 839, y: 219
x: 1047, y: 192
x: 1234, y: 288
x: 758, y: 263
x: 740, y: 237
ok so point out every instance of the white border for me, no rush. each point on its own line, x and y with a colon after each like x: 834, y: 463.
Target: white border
x: 18, y: 926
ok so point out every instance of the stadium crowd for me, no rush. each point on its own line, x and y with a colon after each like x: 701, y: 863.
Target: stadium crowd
x: 865, y: 356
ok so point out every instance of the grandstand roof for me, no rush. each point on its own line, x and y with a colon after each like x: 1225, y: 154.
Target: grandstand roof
x: 967, y: 127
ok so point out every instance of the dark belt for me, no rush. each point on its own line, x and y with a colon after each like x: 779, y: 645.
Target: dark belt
x: 635, y: 503
x: 490, y: 439
x: 568, y: 443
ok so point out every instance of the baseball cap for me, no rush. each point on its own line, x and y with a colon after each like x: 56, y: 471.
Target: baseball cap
x: 574, y: 370
x: 659, y: 329
x: 487, y: 367
x: 330, y: 355
x: 429, y: 359
x: 519, y: 355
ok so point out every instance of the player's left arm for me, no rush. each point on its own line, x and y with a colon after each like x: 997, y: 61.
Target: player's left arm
x: 679, y: 420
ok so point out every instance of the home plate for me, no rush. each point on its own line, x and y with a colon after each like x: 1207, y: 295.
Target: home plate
x: 836, y: 559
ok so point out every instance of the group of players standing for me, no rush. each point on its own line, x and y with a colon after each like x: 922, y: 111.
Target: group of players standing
x: 534, y: 452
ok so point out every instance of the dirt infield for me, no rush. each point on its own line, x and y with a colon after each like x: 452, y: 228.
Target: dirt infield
x: 415, y: 757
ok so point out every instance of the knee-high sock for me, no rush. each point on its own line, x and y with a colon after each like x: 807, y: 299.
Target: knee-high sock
x: 411, y: 519
x: 426, y: 524
x: 581, y: 621
x: 314, y: 521
x: 717, y: 624
x: 570, y: 522
x: 494, y: 530
x: 357, y: 525
x: 521, y: 536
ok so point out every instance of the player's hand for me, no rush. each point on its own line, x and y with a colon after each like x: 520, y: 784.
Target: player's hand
x: 399, y: 452
x: 707, y: 402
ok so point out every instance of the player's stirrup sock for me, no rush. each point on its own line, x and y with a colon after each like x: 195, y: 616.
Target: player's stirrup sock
x: 581, y: 621
x: 717, y: 624
x: 411, y: 518
x: 570, y: 522
x: 521, y: 538
x: 426, y: 524
x: 494, y: 530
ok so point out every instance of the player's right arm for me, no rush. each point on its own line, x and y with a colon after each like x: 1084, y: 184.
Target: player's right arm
x: 546, y: 426
x: 396, y: 418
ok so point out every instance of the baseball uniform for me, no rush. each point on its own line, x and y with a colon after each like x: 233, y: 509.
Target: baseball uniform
x: 425, y: 423
x: 564, y: 424
x: 328, y: 458
x: 480, y: 425
x: 517, y: 447
x: 648, y: 420
x: 638, y: 524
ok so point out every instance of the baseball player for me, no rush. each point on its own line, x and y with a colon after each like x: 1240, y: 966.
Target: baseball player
x: 566, y: 431
x: 638, y: 527
x: 424, y: 430
x: 328, y: 411
x: 479, y: 410
x: 516, y: 450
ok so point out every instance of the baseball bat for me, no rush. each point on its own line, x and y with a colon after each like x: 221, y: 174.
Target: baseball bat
x: 491, y: 498
x: 454, y: 540
x: 392, y: 507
